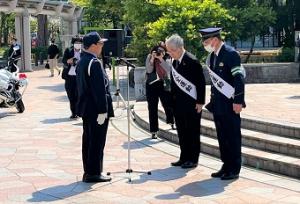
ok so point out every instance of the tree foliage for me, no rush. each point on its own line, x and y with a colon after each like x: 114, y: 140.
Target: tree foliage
x: 159, y: 19
x: 185, y: 18
x: 104, y: 13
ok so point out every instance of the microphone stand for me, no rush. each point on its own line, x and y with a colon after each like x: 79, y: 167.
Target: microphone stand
x: 129, y: 114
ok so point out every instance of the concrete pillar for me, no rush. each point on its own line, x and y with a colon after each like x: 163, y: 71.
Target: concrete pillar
x: 297, y: 49
x: 22, y: 27
x: 18, y: 19
x: 26, y: 41
x: 139, y: 83
x: 74, y: 28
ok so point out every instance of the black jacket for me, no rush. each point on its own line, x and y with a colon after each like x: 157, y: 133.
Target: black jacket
x: 69, y: 53
x: 191, y: 69
x: 93, y: 91
x: 11, y: 51
x: 53, y: 51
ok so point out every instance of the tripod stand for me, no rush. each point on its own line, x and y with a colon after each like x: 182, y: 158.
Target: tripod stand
x: 118, y: 94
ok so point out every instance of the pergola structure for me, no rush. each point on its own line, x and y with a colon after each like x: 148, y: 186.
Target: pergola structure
x: 24, y: 8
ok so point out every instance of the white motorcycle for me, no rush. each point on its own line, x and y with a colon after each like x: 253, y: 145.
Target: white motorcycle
x: 11, y: 84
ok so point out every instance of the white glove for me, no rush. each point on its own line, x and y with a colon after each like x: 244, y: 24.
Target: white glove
x: 101, y: 118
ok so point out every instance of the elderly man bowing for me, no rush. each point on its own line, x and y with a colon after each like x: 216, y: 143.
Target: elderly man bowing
x: 188, y: 91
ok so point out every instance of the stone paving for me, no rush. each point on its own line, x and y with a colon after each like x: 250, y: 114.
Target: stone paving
x: 40, y: 152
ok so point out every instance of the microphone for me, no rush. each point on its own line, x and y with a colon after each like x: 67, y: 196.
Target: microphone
x: 126, y: 62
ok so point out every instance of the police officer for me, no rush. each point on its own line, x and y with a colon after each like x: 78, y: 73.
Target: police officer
x: 225, y: 62
x: 14, y: 53
x: 188, y: 91
x: 94, y: 106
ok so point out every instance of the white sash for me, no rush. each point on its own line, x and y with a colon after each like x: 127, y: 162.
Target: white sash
x: 219, y: 83
x: 102, y: 68
x: 184, y: 84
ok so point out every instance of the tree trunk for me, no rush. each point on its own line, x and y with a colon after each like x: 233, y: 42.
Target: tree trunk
x: 251, y: 50
x: 42, y: 33
x: 1, y: 28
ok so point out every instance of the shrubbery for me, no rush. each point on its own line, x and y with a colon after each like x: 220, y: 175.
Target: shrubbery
x: 287, y: 55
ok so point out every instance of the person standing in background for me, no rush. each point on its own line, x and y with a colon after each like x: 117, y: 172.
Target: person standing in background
x: 53, y: 53
x: 70, y: 60
x: 158, y: 65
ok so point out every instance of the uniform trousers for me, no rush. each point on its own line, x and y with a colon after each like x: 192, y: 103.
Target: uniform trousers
x: 93, y: 142
x: 188, y: 130
x: 228, y: 128
x: 71, y: 89
x: 154, y: 92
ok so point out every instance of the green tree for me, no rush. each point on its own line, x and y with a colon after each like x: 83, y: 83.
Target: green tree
x: 7, y: 27
x: 254, y: 18
x: 106, y: 13
x: 185, y: 18
x: 138, y: 13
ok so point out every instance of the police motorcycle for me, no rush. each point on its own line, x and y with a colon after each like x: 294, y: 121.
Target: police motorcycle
x: 12, y: 84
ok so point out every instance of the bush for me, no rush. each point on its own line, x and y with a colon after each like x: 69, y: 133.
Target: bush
x: 41, y: 52
x: 287, y: 55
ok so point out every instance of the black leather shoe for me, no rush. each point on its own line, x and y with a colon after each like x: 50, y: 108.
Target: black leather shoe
x: 73, y: 116
x: 229, y: 176
x: 188, y: 164
x: 178, y: 163
x: 218, y: 174
x: 154, y: 136
x: 96, y: 178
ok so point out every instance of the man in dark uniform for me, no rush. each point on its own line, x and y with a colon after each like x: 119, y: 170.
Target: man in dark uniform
x: 94, y: 106
x: 225, y: 62
x: 188, y: 92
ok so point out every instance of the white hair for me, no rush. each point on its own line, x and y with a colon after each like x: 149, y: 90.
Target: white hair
x: 175, y: 40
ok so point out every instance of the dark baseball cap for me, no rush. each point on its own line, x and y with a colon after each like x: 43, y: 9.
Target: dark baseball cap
x: 92, y: 38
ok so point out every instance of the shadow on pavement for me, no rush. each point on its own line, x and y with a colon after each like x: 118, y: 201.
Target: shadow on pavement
x: 56, y: 88
x: 55, y: 120
x: 163, y: 175
x: 61, y: 192
x: 63, y: 98
x: 293, y: 97
x: 203, y: 188
x: 141, y: 143
x: 7, y: 114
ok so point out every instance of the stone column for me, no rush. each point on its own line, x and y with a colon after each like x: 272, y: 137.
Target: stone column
x: 26, y: 42
x: 297, y: 49
x: 22, y: 27
x: 18, y: 26
x: 139, y: 83
x: 74, y: 28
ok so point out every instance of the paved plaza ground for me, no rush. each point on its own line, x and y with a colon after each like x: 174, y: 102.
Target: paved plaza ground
x: 40, y: 153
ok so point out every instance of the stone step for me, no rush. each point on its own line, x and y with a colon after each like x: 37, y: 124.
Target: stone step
x: 274, y: 162
x: 255, y: 139
x: 264, y: 125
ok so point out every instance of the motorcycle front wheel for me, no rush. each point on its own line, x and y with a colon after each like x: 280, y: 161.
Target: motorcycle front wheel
x: 20, y: 106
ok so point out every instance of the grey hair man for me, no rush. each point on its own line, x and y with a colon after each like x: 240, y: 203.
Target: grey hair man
x: 188, y: 93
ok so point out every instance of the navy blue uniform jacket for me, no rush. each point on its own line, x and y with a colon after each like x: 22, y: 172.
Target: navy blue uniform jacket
x: 93, y: 91
x: 227, y: 66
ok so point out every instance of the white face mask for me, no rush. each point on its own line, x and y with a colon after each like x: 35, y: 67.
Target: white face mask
x: 209, y: 48
x: 77, y: 46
